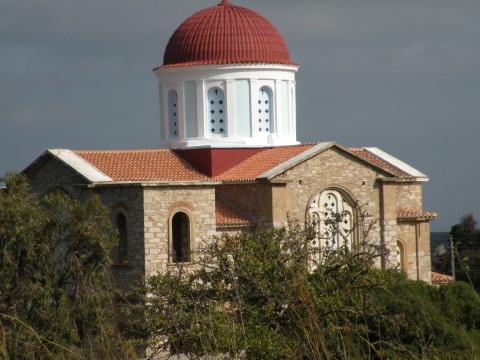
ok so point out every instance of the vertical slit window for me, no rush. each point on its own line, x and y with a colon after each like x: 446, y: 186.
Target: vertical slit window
x: 180, y: 237
x: 265, y: 110
x: 216, y: 115
x: 120, y: 251
x: 400, y: 254
x: 173, y: 114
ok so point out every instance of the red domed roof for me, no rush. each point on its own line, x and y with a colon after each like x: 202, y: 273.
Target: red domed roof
x: 226, y: 34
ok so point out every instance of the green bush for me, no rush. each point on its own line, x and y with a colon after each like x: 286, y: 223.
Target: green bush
x: 257, y: 296
x: 56, y: 301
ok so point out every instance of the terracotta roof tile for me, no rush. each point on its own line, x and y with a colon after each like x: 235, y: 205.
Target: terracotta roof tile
x: 256, y: 165
x: 439, y: 279
x: 166, y: 165
x: 413, y: 214
x: 142, y: 165
x: 227, y: 216
x: 382, y: 164
x: 226, y: 34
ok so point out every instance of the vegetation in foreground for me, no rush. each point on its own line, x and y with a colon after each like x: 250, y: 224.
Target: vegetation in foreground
x: 56, y: 301
x: 254, y: 296
x: 266, y: 295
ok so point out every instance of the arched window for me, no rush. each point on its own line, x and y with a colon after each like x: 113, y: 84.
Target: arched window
x: 332, y: 218
x: 120, y: 251
x: 180, y: 237
x: 217, y: 124
x: 172, y: 114
x: 265, y: 110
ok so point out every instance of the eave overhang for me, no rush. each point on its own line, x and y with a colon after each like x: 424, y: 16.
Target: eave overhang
x: 152, y: 183
x: 75, y: 162
x: 408, y: 215
x: 399, y: 170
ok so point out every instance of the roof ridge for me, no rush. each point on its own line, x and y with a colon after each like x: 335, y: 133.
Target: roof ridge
x: 121, y: 150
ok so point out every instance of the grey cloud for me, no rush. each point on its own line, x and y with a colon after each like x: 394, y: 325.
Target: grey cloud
x: 401, y: 75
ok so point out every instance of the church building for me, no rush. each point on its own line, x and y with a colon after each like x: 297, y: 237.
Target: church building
x: 230, y: 160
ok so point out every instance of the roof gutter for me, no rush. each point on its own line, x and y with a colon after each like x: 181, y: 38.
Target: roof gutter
x: 402, y: 180
x: 152, y: 183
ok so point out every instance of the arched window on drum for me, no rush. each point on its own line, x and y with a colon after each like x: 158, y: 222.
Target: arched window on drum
x: 266, y: 121
x: 173, y: 114
x: 216, y: 115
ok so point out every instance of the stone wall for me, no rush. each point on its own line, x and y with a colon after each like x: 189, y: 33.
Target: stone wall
x: 255, y: 199
x: 53, y: 175
x: 388, y: 220
x: 408, y: 195
x: 149, y: 209
x: 291, y: 192
x: 129, y: 201
x: 360, y: 182
x: 330, y: 169
x: 407, y: 235
x: 160, y: 204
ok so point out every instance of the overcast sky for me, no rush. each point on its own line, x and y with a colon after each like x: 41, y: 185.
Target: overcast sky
x: 402, y: 75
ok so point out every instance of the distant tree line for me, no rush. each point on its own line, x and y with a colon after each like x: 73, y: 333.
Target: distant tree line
x: 466, y: 252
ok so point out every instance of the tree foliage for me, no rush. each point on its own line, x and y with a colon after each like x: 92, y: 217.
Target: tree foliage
x: 55, y: 293
x: 270, y: 294
x: 466, y: 229
x: 429, y: 322
x: 263, y: 296
x: 466, y: 241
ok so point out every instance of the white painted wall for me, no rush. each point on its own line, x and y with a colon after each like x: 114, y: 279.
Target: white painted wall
x: 241, y: 84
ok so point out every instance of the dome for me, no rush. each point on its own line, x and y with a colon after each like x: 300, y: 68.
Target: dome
x: 226, y: 34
